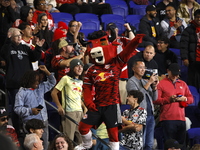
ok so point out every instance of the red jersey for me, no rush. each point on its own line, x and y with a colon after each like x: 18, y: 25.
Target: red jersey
x: 60, y: 71
x: 11, y: 133
x: 105, y: 79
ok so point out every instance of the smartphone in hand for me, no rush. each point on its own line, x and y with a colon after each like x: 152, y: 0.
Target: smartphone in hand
x: 39, y: 107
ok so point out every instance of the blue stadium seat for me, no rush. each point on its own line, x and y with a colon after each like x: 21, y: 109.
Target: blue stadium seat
x: 195, y: 94
x: 61, y: 16
x: 134, y: 20
x: 119, y: 7
x: 193, y: 136
x: 124, y: 107
x: 89, y: 21
x: 117, y: 19
x: 137, y: 9
x: 193, y: 113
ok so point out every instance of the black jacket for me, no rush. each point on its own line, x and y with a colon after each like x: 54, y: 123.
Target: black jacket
x: 18, y: 60
x: 145, y: 28
x: 188, y: 44
x: 164, y: 60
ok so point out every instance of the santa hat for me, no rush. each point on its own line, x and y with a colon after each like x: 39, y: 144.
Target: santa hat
x: 58, y: 34
x: 62, y: 25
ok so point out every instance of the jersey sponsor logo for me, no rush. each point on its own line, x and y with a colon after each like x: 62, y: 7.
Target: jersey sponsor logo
x: 78, y: 89
x: 103, y: 76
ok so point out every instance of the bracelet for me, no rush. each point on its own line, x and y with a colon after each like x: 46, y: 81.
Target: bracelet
x: 129, y: 30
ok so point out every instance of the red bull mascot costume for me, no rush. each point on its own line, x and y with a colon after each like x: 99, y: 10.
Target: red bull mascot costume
x: 104, y: 76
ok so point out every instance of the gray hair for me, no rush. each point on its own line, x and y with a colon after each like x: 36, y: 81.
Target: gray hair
x: 29, y: 140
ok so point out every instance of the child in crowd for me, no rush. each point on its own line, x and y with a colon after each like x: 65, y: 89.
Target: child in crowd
x: 29, y: 101
x: 133, y: 120
x: 70, y: 86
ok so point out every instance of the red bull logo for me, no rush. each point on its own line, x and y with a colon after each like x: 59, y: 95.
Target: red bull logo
x: 103, y: 76
x: 78, y: 89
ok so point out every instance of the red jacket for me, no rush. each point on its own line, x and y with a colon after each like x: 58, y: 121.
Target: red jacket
x: 172, y: 110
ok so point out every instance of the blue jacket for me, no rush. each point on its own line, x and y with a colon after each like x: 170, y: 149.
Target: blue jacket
x: 27, y: 98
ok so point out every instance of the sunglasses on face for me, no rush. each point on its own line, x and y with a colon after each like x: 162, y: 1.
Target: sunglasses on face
x: 4, y: 119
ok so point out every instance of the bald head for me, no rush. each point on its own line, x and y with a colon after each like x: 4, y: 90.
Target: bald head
x: 149, y: 53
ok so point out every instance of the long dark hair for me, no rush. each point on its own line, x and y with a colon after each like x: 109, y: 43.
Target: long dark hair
x: 66, y: 138
x: 44, y: 34
x: 29, y: 78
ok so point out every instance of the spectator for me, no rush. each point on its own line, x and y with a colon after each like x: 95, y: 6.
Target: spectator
x: 173, y: 94
x: 186, y: 10
x: 133, y: 121
x: 74, y: 27
x: 99, y: 7
x: 30, y: 103
x: 51, y: 5
x: 150, y: 26
x: 26, y: 15
x: 63, y: 26
x: 71, y: 88
x: 190, y: 50
x: 164, y: 57
x: 149, y: 89
x: 6, y: 129
x: 147, y: 56
x: 160, y: 7
x: 62, y: 61
x: 172, y: 144
x: 33, y: 142
x: 74, y: 6
x: 61, y: 141
x: 40, y: 7
x: 7, y: 18
x: 54, y: 49
x: 173, y: 26
x: 35, y: 126
x: 17, y: 59
x: 42, y: 31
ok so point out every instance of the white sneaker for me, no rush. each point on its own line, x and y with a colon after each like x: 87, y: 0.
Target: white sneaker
x: 80, y: 147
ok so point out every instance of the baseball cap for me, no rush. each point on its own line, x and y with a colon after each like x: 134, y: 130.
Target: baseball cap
x: 62, y: 25
x: 111, y: 25
x: 150, y: 8
x: 175, y: 69
x: 3, y: 112
x: 75, y: 62
x: 172, y: 143
x: 64, y: 43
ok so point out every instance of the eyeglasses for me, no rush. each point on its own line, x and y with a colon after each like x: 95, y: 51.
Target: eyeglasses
x: 4, y: 119
x: 42, y: 4
x: 74, y: 25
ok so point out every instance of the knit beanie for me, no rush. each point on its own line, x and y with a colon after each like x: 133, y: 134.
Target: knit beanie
x: 58, y: 34
x: 75, y: 62
x: 62, y: 25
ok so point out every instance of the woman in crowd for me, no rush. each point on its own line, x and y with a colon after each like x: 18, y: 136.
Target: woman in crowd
x: 61, y: 142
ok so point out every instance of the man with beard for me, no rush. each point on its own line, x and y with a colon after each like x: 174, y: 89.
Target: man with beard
x: 7, y: 129
x: 150, y: 26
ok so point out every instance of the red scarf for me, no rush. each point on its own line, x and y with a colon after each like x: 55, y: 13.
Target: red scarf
x: 198, y: 40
